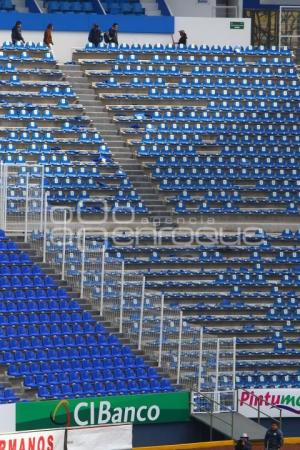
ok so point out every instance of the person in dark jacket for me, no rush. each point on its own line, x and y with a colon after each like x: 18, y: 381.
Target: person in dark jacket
x: 273, y: 438
x: 48, y: 36
x: 16, y: 33
x: 112, y: 34
x: 183, y: 38
x: 243, y: 443
x: 95, y: 35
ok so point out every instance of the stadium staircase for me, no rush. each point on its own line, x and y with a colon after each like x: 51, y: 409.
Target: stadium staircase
x: 151, y: 7
x: 41, y: 6
x: 20, y: 6
x: 159, y: 211
x: 231, y: 424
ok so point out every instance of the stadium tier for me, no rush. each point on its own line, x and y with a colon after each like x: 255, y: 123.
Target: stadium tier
x: 6, y: 6
x: 60, y: 349
x: 43, y: 122
x: 243, y: 285
x: 216, y: 132
x: 103, y: 7
x: 73, y: 6
x: 216, y: 129
x: 123, y: 7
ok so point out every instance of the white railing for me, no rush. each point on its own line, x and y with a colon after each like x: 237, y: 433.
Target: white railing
x: 21, y: 198
x: 196, y: 360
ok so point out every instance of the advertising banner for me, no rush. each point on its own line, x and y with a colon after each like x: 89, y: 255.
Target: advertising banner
x: 270, y: 402
x: 39, y: 440
x: 136, y: 409
x: 117, y: 437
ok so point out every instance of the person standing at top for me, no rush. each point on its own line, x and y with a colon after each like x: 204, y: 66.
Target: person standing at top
x: 16, y: 33
x: 112, y: 34
x: 243, y: 443
x: 48, y: 36
x: 274, y: 437
x: 95, y: 35
x: 182, y: 40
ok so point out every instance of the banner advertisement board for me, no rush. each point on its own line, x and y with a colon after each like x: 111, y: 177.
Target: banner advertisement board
x: 39, y: 440
x: 136, y: 409
x: 270, y: 402
x: 117, y: 437
x: 106, y: 437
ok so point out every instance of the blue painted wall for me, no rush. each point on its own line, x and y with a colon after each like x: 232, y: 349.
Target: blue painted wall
x: 83, y: 22
x: 172, y: 433
x: 255, y: 4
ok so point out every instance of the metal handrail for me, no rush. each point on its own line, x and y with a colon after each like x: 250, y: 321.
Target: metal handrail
x: 214, y: 402
x: 259, y: 412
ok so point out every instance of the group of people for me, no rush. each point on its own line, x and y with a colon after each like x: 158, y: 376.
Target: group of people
x: 17, y: 36
x: 95, y: 35
x: 111, y: 36
x: 273, y: 439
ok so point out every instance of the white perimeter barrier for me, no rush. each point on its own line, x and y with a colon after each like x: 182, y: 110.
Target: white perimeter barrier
x: 112, y: 437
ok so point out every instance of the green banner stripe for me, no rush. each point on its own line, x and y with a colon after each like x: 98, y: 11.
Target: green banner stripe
x: 138, y: 409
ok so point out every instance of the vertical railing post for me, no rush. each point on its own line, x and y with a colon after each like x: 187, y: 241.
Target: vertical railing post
x: 42, y: 198
x: 5, y: 174
x: 45, y: 227
x: 26, y: 207
x: 217, y: 369
x: 141, y: 314
x: 64, y: 246
x: 82, y: 273
x: 122, y: 297
x: 200, y: 360
x: 211, y: 421
x: 161, y: 329
x: 280, y: 27
x: 2, y: 197
x: 102, y: 279
x: 179, y: 347
x: 234, y: 362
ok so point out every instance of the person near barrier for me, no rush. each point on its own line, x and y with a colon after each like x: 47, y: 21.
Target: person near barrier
x: 182, y: 39
x: 16, y: 33
x: 48, y: 36
x: 95, y: 36
x: 273, y: 437
x: 243, y: 443
x: 111, y: 36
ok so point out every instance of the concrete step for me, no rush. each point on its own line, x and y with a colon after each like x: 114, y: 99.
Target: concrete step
x: 70, y: 67
x: 102, y: 121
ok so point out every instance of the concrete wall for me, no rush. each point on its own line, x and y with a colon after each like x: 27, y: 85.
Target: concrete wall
x: 212, y: 31
x: 200, y: 31
x: 192, y: 8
